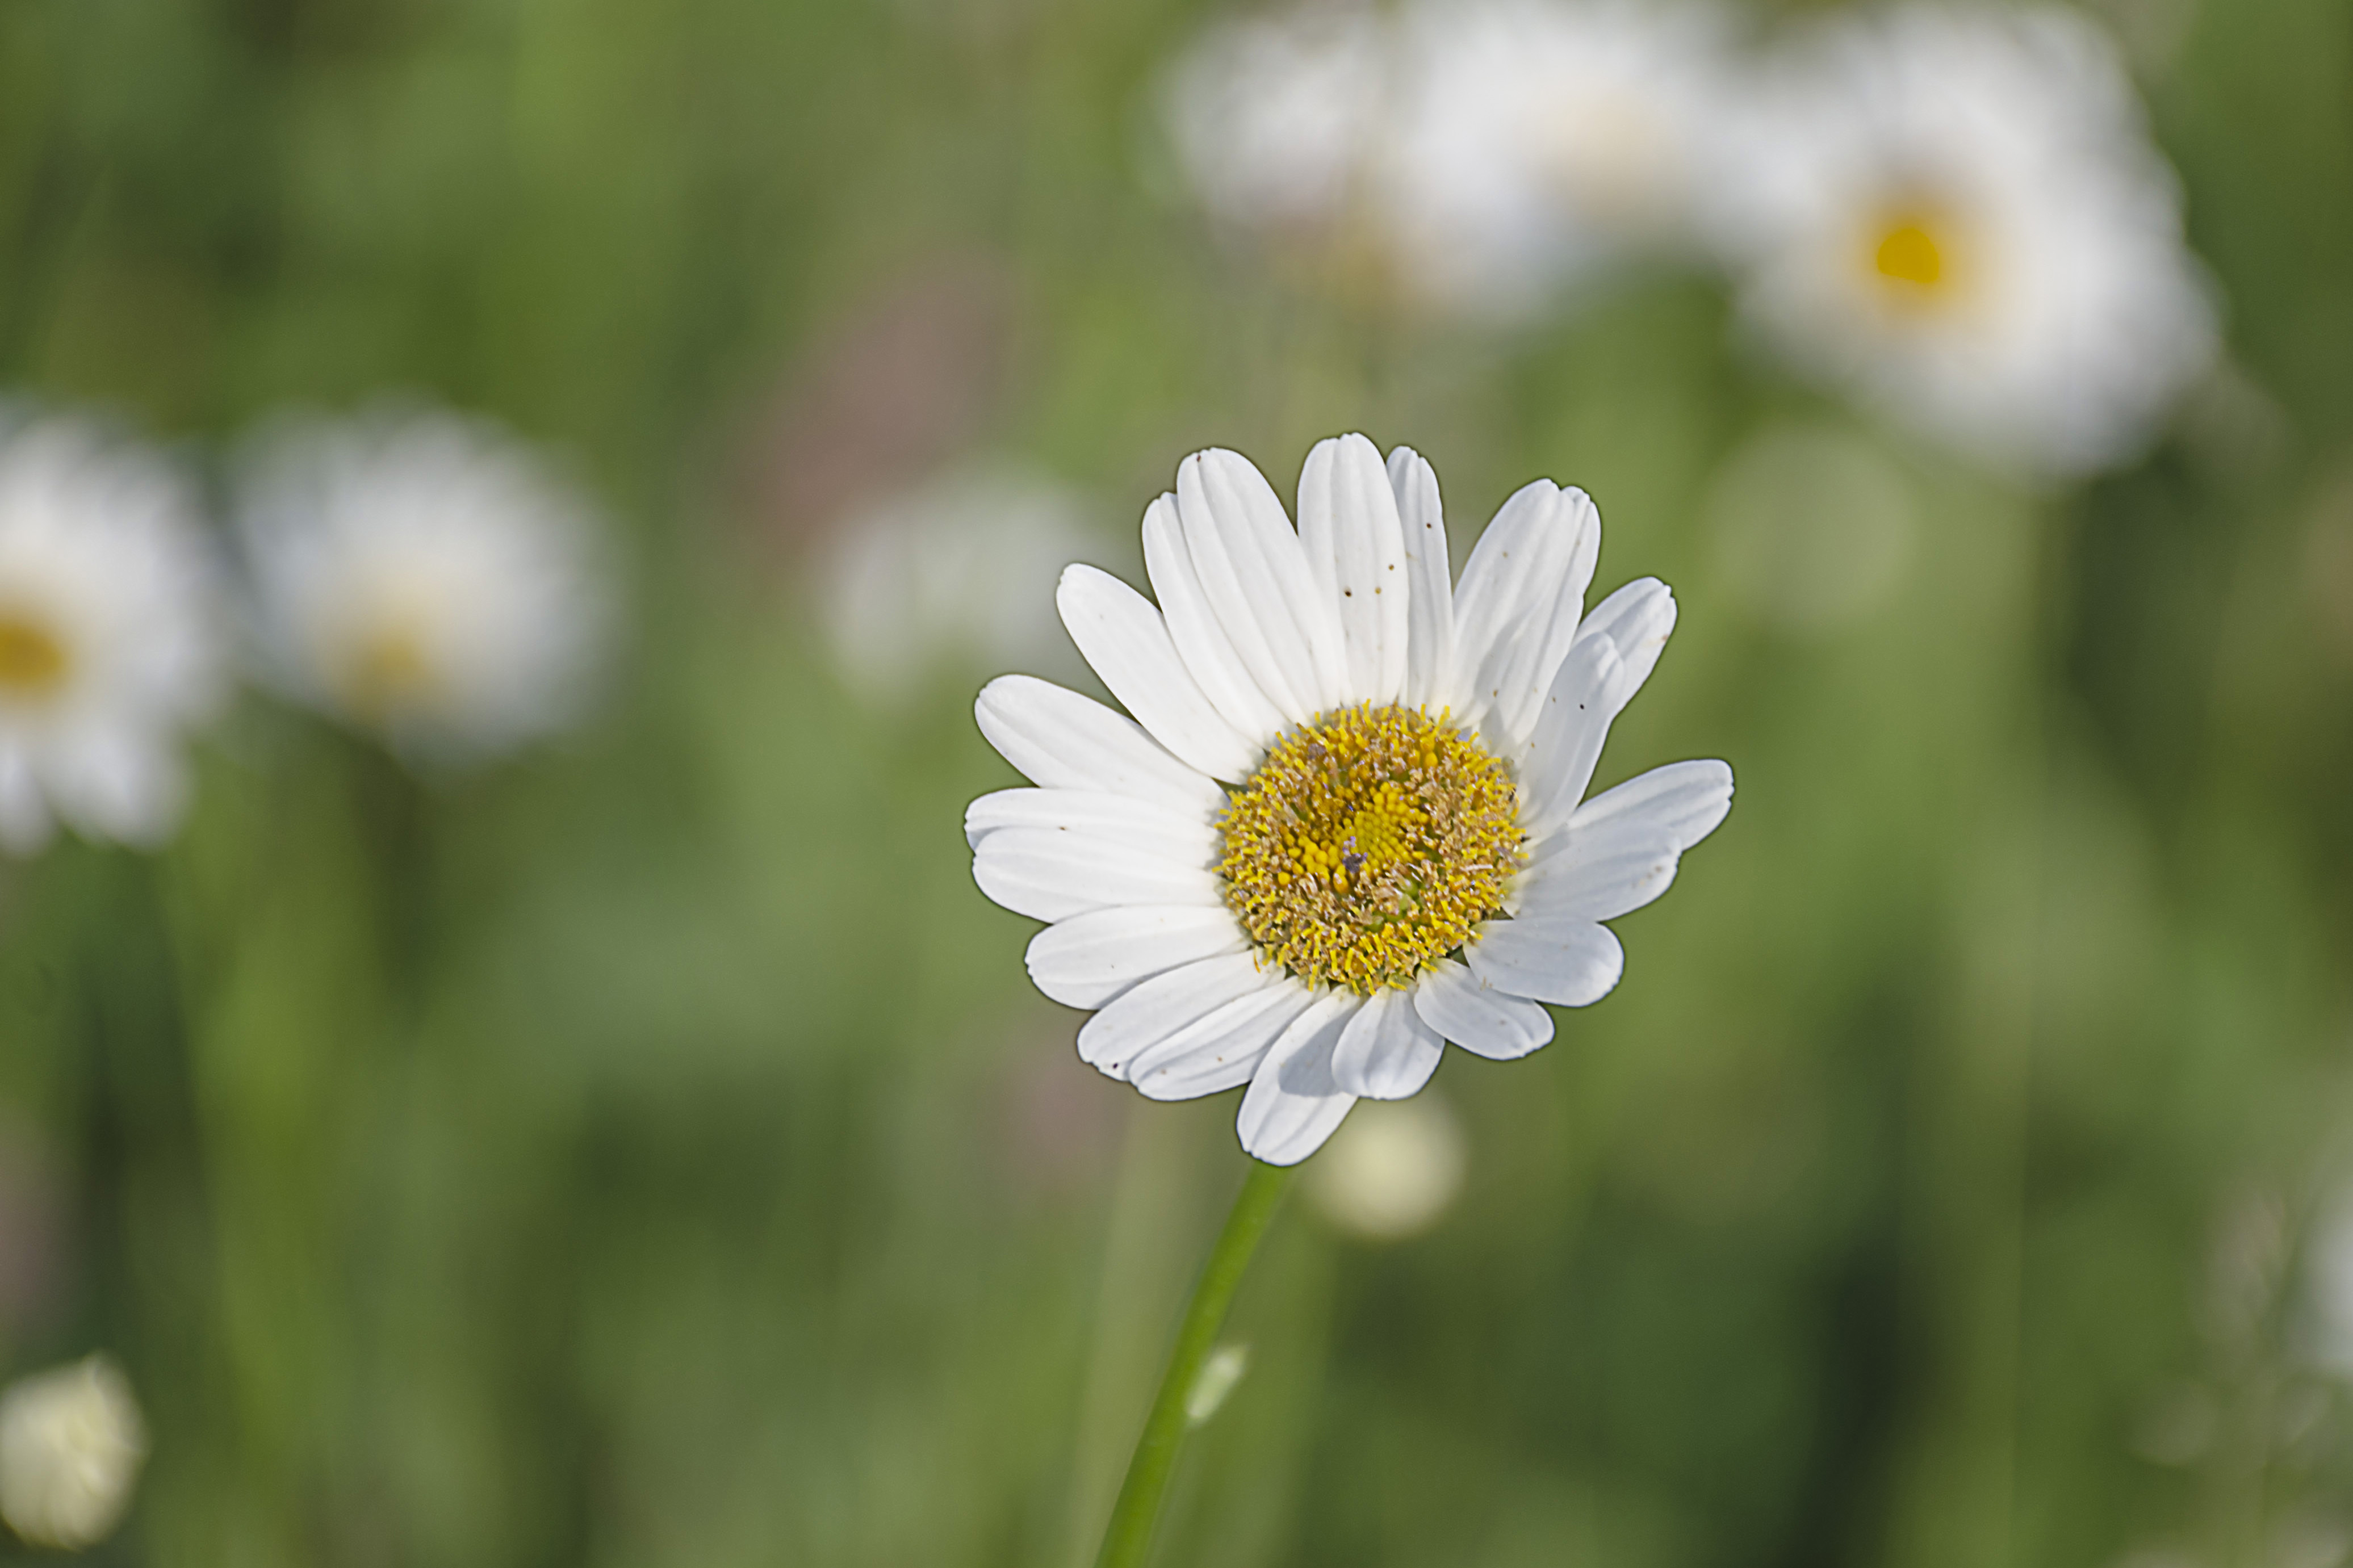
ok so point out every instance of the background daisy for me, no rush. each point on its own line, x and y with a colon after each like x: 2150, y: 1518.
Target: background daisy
x: 1958, y: 215
x: 1275, y: 118
x: 955, y: 573
x: 110, y: 646
x: 1537, y: 139
x: 425, y: 577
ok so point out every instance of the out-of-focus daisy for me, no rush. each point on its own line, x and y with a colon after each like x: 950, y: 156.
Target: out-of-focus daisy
x: 71, y: 1442
x: 1960, y: 214
x: 958, y: 572
x: 1347, y: 822
x: 424, y: 576
x: 1275, y: 118
x: 1535, y: 139
x: 110, y: 646
x: 1391, y: 1169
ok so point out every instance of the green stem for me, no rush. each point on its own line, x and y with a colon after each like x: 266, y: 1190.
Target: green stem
x: 1128, y: 1542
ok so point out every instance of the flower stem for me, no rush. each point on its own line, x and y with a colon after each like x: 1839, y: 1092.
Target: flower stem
x: 1128, y: 1542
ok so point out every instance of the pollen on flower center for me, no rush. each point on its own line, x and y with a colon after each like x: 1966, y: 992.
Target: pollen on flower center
x: 1368, y: 845
x: 1908, y: 253
x: 32, y: 658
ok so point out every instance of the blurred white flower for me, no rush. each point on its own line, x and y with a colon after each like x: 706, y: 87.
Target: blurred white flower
x: 1347, y: 823
x: 957, y: 573
x: 1536, y: 139
x: 110, y: 645
x: 1959, y: 215
x: 71, y: 1442
x: 1391, y: 1169
x: 1275, y: 118
x: 425, y: 577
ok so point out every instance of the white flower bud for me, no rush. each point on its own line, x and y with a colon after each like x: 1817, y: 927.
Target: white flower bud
x: 1391, y: 1169
x: 1216, y: 1378
x: 71, y: 1442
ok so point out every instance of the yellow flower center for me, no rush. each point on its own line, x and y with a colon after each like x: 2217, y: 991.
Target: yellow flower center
x: 1909, y: 255
x: 1916, y: 256
x: 389, y: 668
x: 32, y: 658
x: 1368, y: 845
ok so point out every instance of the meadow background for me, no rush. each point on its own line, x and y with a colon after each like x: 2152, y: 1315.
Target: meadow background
x: 650, y: 1151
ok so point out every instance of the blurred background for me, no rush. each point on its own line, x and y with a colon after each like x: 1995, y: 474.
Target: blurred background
x: 645, y: 1147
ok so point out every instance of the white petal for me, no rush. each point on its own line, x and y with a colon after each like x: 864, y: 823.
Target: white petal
x: 1140, y: 1018
x: 1223, y: 1049
x: 1063, y: 741
x: 1387, y: 1052
x: 1638, y: 618
x: 1051, y: 874
x: 113, y: 784
x: 1487, y: 1022
x: 1567, y: 744
x: 1355, y: 547
x: 25, y: 826
x: 1255, y: 575
x: 1294, y: 1103
x: 1123, y: 638
x: 1686, y: 800
x: 1619, y: 851
x: 1087, y: 960
x: 1189, y: 838
x: 1597, y: 681
x: 1208, y: 652
x: 1572, y: 962
x: 1429, y: 643
x: 1516, y: 611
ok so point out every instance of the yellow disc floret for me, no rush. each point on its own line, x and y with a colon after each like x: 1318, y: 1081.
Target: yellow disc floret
x: 1368, y: 845
x: 33, y: 662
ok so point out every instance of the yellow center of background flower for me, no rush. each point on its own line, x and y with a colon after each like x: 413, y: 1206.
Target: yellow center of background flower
x: 1368, y: 845
x: 1908, y: 253
x: 389, y: 669
x: 32, y: 658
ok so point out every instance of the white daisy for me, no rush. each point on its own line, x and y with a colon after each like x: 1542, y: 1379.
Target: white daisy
x: 1347, y: 823
x: 1958, y: 212
x: 422, y: 575
x: 71, y: 1444
x: 1538, y: 139
x: 1273, y: 118
x: 955, y: 573
x: 109, y: 647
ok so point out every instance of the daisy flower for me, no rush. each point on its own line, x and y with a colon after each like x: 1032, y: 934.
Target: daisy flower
x: 1539, y: 139
x: 423, y: 576
x: 1346, y: 820
x: 109, y: 649
x: 1273, y: 118
x: 1959, y: 215
x: 954, y: 573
